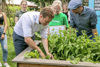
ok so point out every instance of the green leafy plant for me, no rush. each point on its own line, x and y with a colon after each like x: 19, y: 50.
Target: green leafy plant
x: 72, y: 48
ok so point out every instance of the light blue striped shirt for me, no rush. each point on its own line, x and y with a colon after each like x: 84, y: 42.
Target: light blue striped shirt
x: 28, y: 24
x: 87, y: 20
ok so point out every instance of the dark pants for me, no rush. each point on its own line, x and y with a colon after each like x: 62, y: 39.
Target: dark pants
x: 87, y: 34
x: 19, y: 43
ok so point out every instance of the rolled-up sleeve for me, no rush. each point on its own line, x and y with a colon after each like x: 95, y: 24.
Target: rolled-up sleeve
x: 26, y: 25
x: 44, y: 32
x: 93, y: 20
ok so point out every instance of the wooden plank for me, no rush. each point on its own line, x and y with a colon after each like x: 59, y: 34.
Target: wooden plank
x: 37, y: 65
x: 57, y: 63
x: 20, y: 59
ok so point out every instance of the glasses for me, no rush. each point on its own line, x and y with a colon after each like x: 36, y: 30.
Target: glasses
x: 57, y: 9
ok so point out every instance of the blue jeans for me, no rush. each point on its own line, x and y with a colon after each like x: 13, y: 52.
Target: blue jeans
x: 4, y: 44
x: 19, y: 43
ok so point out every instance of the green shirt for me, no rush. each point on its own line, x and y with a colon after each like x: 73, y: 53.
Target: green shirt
x: 60, y: 19
x: 19, y: 13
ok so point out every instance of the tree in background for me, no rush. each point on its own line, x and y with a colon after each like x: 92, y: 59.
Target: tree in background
x: 44, y: 3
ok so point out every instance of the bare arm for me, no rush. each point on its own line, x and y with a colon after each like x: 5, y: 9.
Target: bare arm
x: 94, y: 31
x: 16, y: 19
x: 31, y: 43
x: 5, y: 26
x: 45, y: 45
x: 5, y: 23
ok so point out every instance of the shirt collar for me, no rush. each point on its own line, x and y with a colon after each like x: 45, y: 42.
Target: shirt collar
x: 84, y: 10
x: 37, y: 18
x: 22, y: 11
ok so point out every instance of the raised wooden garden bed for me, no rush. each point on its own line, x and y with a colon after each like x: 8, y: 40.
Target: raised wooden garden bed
x: 22, y: 62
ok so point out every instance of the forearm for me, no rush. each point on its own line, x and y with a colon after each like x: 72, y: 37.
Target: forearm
x: 32, y: 44
x: 45, y: 45
x: 94, y: 31
x: 5, y: 23
x: 5, y: 28
x: 16, y: 19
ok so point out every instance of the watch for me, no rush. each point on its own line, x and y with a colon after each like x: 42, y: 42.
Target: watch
x: 4, y: 33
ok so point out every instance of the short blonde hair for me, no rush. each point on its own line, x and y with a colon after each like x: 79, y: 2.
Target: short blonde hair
x: 59, y: 3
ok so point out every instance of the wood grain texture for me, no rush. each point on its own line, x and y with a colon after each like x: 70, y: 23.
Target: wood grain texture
x: 38, y: 65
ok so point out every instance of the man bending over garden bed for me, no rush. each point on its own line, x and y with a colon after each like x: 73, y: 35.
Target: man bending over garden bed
x: 28, y: 24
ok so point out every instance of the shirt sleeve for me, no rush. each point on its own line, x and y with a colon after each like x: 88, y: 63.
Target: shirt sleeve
x: 93, y: 20
x: 72, y: 22
x: 26, y: 26
x: 16, y: 14
x: 65, y: 21
x: 44, y: 32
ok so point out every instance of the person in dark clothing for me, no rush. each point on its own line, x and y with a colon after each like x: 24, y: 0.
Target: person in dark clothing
x: 82, y: 18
